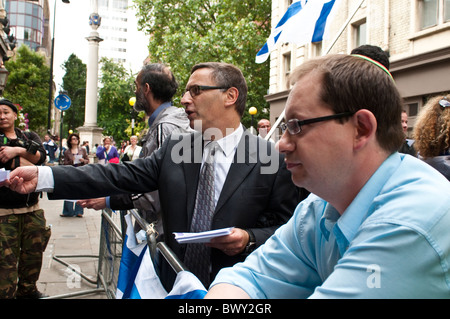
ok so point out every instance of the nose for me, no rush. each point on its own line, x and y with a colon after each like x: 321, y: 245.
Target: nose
x: 186, y: 98
x: 285, y: 144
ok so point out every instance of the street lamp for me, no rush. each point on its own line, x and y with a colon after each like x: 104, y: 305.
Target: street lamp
x: 131, y: 101
x: 252, y: 111
x: 3, y: 78
x: 50, y: 95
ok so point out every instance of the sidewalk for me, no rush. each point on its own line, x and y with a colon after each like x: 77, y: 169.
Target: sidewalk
x: 70, y: 236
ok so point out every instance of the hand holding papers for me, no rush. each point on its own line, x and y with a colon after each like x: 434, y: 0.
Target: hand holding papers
x: 4, y: 175
x: 203, y: 237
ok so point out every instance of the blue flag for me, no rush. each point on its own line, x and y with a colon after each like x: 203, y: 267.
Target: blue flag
x: 131, y: 255
x: 305, y: 21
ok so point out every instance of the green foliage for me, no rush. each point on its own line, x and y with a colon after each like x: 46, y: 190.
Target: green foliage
x: 114, y: 110
x: 186, y: 32
x: 28, y: 86
x: 74, y: 83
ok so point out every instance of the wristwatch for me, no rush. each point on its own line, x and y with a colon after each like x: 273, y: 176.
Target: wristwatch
x: 251, y: 245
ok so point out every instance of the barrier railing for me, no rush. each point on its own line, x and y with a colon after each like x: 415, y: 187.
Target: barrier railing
x: 112, y: 238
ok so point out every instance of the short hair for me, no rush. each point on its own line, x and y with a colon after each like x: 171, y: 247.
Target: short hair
x: 432, y: 129
x: 374, y: 52
x: 227, y: 75
x: 160, y: 79
x: 350, y: 83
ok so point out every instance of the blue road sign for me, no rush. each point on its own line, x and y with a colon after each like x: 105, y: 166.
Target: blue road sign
x: 62, y: 102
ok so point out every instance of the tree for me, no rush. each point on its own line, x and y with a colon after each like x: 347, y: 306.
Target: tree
x: 114, y: 111
x: 186, y: 32
x: 74, y: 83
x: 28, y: 86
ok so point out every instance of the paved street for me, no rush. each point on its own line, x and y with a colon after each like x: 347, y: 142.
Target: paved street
x: 70, y: 236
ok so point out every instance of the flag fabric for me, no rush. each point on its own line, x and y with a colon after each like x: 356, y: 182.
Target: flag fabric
x: 305, y: 21
x: 187, y: 286
x: 147, y: 285
x: 131, y: 256
x: 138, y: 278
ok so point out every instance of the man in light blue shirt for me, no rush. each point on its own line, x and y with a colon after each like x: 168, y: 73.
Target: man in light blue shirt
x: 376, y: 224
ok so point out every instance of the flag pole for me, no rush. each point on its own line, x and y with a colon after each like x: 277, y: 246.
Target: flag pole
x: 281, y: 117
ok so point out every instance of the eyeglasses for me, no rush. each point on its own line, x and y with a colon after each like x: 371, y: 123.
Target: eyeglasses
x: 294, y: 126
x: 444, y: 103
x: 197, y: 89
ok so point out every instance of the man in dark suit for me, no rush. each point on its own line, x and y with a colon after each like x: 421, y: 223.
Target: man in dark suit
x: 253, y: 190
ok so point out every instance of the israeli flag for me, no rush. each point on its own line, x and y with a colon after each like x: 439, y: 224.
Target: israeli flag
x: 187, y: 286
x: 147, y: 285
x: 305, y: 21
x: 131, y: 256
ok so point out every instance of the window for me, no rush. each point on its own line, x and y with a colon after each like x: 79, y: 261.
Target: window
x: 428, y: 13
x: 360, y: 34
x: 446, y: 10
x: 432, y: 13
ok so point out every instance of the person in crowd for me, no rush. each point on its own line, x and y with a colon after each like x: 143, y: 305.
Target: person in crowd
x: 374, y: 52
x: 252, y: 191
x: 132, y: 151
x: 50, y: 147
x: 23, y: 231
x: 75, y: 156
x: 264, y: 127
x: 376, y: 224
x: 155, y: 87
x: 432, y: 134
x: 408, y: 145
x: 107, y: 153
x: 85, y: 145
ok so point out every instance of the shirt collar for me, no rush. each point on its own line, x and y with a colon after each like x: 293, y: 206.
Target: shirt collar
x: 163, y: 106
x: 229, y: 143
x: 359, y: 210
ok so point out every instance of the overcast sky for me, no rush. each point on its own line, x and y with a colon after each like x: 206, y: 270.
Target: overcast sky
x: 72, y: 28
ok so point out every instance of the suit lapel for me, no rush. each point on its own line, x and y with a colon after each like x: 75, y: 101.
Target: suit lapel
x: 191, y: 173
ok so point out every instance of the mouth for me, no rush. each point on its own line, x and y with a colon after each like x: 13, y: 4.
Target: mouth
x: 190, y: 114
x: 292, y: 165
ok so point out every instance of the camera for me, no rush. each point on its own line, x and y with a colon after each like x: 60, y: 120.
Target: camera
x: 31, y: 146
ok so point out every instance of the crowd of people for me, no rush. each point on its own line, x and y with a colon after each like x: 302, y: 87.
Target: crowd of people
x: 335, y: 209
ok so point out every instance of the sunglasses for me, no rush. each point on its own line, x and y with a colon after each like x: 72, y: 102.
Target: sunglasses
x: 444, y: 102
x: 294, y: 126
x: 197, y: 89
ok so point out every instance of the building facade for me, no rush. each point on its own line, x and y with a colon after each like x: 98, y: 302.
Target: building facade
x: 415, y: 33
x: 26, y: 19
x: 121, y: 40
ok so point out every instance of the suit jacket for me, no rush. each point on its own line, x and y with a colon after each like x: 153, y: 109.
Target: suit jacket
x: 258, y: 193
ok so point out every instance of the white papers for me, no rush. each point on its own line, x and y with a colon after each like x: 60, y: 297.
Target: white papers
x: 203, y: 237
x: 77, y: 159
x: 4, y: 175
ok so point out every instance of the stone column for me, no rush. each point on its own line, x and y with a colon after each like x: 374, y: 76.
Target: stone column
x: 90, y: 131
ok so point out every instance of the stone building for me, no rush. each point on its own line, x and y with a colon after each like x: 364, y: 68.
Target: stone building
x: 415, y: 33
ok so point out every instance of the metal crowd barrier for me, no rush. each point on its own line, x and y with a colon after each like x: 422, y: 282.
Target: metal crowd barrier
x: 112, y: 238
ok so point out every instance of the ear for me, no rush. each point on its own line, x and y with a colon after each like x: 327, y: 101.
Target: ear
x: 147, y: 89
x: 231, y: 96
x: 365, y: 128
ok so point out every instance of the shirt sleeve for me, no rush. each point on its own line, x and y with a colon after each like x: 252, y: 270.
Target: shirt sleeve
x: 45, y: 179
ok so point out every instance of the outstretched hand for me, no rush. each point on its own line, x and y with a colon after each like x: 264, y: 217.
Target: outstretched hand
x: 23, y: 180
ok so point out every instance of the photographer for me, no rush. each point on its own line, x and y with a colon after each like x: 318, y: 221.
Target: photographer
x: 23, y: 234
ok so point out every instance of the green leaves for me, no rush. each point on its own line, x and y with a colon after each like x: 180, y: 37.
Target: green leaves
x: 28, y: 86
x: 186, y: 32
